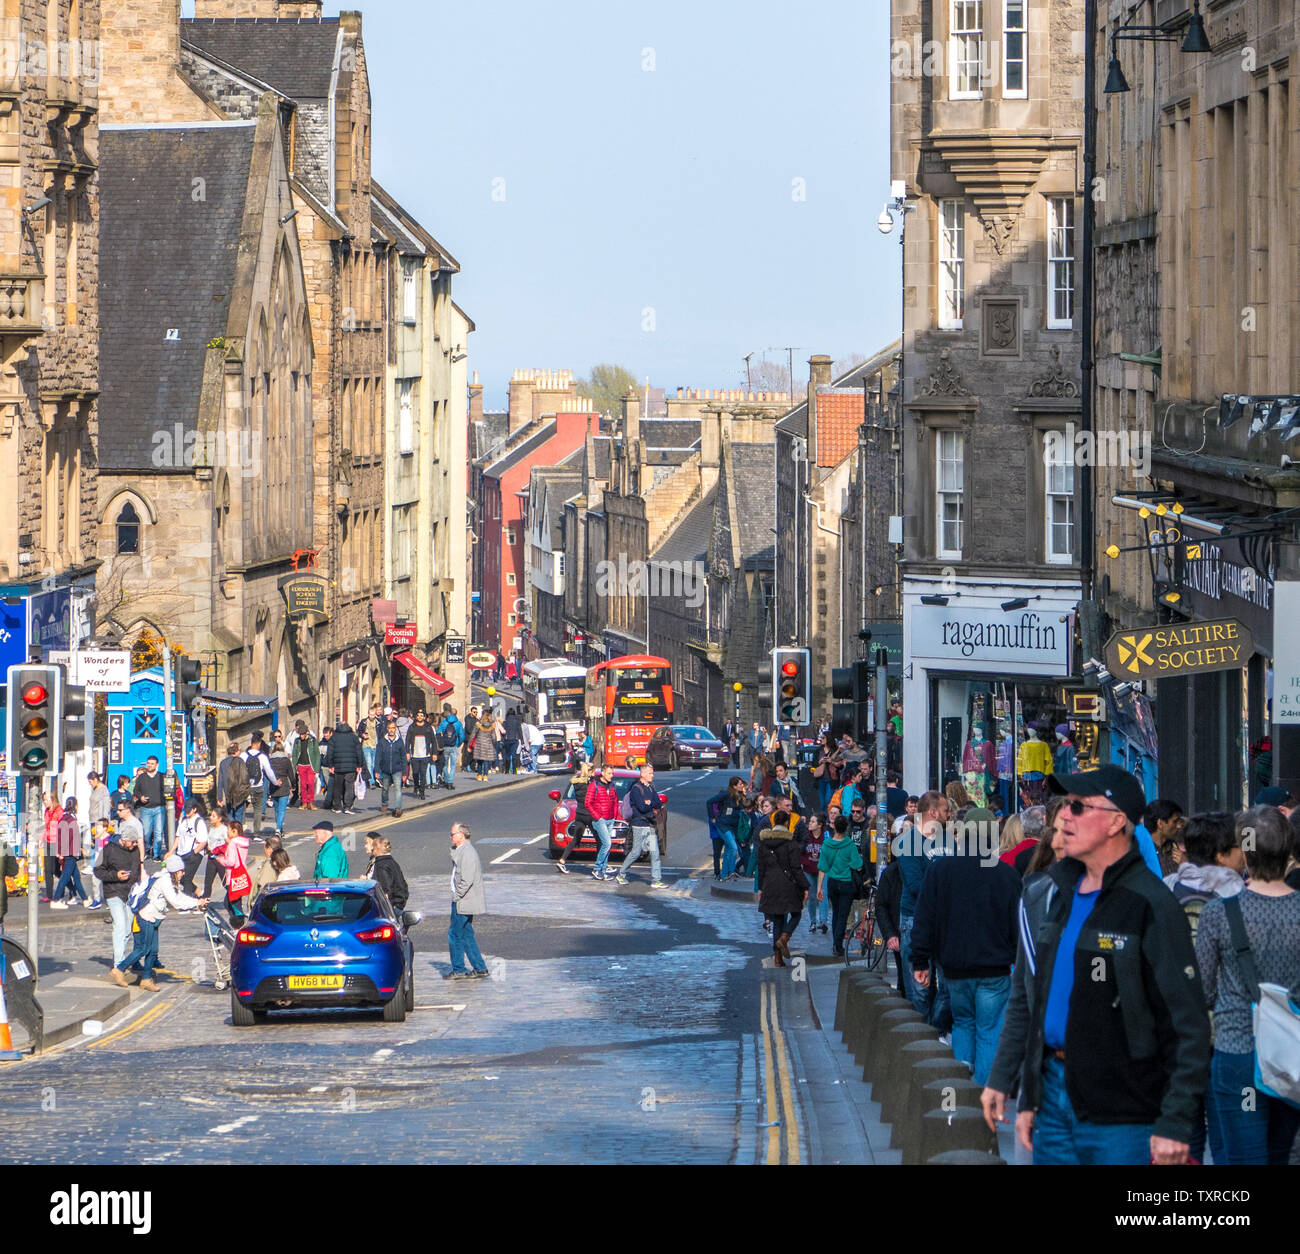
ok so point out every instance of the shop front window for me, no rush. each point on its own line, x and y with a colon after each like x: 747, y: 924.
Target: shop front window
x: 997, y: 738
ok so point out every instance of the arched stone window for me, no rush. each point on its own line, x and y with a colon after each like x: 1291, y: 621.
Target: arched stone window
x: 128, y: 530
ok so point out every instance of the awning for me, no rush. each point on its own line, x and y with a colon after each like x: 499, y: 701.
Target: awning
x: 244, y: 702
x: 417, y: 668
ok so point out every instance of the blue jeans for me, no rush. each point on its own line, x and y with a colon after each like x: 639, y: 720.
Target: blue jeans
x: 237, y: 812
x: 730, y: 852
x: 642, y: 837
x: 824, y: 792
x: 155, y: 829
x: 604, y: 829
x: 978, y: 1007
x: 509, y: 758
x: 369, y: 755
x: 70, y: 878
x: 918, y: 996
x: 1246, y: 1138
x: 120, y: 913
x: 281, y: 807
x: 449, y: 765
x: 461, y: 942
x: 1063, y: 1140
x: 391, y: 785
x: 145, y: 952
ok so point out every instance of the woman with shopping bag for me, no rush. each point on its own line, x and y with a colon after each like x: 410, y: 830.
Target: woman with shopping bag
x: 233, y: 855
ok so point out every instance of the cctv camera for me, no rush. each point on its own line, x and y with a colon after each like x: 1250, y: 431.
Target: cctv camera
x: 885, y: 223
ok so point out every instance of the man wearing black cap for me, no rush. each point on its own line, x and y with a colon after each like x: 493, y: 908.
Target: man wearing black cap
x: 331, y: 857
x: 1111, y: 1034
x: 1275, y: 795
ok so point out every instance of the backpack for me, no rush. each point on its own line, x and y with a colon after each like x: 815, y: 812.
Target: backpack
x: 138, y: 897
x: 625, y: 806
x: 1192, y: 902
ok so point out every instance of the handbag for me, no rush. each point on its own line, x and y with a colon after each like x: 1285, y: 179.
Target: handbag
x: 1275, y: 1018
x: 360, y: 789
x: 240, y: 883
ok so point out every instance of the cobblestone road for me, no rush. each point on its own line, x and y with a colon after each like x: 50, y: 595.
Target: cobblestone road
x: 619, y: 1025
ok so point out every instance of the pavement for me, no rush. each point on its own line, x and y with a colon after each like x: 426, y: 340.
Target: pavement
x: 72, y: 972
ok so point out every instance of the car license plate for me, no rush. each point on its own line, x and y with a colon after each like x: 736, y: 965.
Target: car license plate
x: 317, y: 983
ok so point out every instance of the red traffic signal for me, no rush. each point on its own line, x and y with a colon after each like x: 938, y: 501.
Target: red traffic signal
x: 35, y: 694
x: 789, y: 668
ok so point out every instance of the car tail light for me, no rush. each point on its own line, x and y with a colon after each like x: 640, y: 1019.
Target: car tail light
x: 377, y: 934
x: 247, y: 936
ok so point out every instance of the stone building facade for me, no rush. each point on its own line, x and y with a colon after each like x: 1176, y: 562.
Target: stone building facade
x: 49, y: 317
x: 987, y: 141
x: 205, y: 485
x: 315, y: 68
x: 1197, y: 258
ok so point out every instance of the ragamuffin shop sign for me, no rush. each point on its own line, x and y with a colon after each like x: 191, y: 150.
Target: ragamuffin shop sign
x: 1168, y: 650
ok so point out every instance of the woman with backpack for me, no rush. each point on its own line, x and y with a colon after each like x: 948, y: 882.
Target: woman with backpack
x: 160, y: 892
x: 1249, y: 938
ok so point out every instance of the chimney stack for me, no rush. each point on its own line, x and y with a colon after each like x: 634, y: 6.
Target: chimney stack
x: 819, y: 376
x: 476, y: 400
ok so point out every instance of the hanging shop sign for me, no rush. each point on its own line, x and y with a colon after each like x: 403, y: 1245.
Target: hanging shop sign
x: 304, y: 598
x: 1167, y: 650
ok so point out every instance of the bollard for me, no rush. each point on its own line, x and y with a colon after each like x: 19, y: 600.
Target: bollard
x: 885, y: 1045
x: 942, y: 1093
x: 881, y: 1015
x: 863, y: 1007
x: 895, y: 1079
x: 851, y: 980
x: 961, y: 1129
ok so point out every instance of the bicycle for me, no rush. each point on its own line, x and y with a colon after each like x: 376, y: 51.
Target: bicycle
x: 863, y: 932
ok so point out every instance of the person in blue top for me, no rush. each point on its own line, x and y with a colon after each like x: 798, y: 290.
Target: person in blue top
x: 724, y: 818
x: 451, y: 749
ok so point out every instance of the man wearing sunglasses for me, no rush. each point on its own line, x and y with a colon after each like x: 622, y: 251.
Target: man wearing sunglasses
x: 1111, y: 1035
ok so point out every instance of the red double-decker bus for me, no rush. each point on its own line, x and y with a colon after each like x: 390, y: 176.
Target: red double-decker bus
x: 629, y: 699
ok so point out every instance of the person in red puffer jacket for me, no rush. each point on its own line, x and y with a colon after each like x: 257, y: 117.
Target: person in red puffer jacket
x: 603, y: 802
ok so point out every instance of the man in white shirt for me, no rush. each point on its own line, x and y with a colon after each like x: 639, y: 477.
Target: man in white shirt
x: 261, y: 778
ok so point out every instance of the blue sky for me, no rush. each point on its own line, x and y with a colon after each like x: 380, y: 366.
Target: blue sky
x: 628, y: 189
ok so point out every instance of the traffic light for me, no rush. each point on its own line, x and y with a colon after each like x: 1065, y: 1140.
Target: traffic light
x: 793, y: 669
x: 73, y: 719
x: 188, y: 673
x: 33, y: 719
x: 766, y: 694
x: 844, y: 696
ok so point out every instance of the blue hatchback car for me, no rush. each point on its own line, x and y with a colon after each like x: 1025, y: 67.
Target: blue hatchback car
x: 322, y: 943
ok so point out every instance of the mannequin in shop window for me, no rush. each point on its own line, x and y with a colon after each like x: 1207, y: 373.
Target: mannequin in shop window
x: 1034, y: 765
x: 1006, y: 768
x: 978, y: 765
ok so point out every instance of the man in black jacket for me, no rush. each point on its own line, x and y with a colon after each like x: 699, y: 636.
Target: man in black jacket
x: 1111, y: 1036
x: 344, y: 758
x: 118, y: 871
x: 966, y: 922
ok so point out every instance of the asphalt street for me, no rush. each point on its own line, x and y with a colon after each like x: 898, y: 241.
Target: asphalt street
x: 619, y: 1025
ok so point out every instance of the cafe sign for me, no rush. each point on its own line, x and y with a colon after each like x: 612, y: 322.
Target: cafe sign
x: 482, y: 660
x: 1168, y: 650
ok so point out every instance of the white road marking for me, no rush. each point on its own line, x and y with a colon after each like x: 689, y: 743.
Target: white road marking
x: 448, y: 1006
x: 234, y: 1127
x: 510, y: 853
x: 380, y: 1054
x: 317, y: 1088
x: 535, y: 839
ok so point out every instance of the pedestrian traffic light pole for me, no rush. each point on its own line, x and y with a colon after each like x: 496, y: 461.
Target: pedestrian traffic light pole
x: 882, y: 760
x: 31, y: 795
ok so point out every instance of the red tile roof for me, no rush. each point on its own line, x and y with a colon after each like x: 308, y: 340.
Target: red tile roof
x: 839, y: 415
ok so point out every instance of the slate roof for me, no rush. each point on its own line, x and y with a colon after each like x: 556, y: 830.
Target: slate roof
x: 489, y: 430
x: 689, y: 540
x: 164, y: 259
x: 670, y: 432
x: 753, y: 468
x: 295, y: 57
x: 522, y: 450
x: 561, y: 485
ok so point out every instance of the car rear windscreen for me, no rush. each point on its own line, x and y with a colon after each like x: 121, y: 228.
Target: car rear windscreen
x: 311, y: 908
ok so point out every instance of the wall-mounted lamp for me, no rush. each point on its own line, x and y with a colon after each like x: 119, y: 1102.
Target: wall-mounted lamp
x: 1192, y: 32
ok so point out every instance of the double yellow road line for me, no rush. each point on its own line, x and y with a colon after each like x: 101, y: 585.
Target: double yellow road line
x: 781, y: 1110
x: 150, y: 1016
